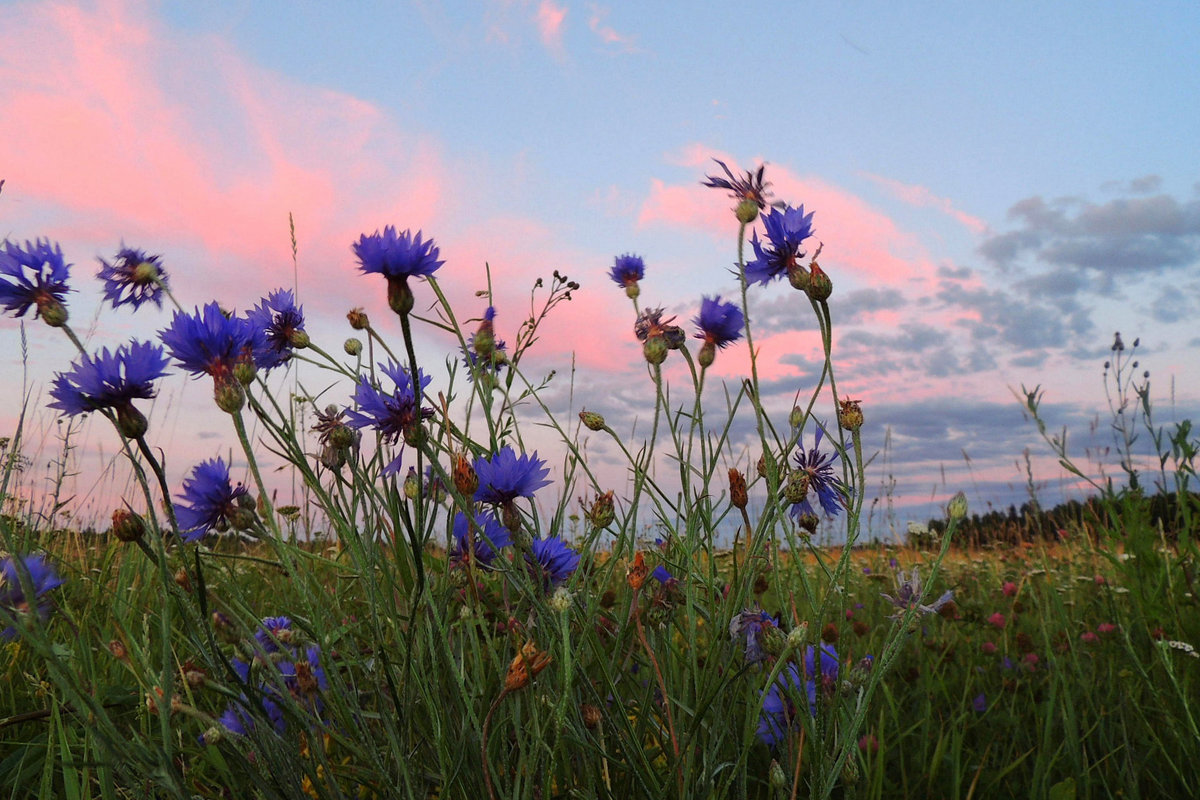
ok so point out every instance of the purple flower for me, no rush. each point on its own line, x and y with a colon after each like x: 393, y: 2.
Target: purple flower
x: 750, y: 626
x: 484, y: 353
x: 779, y: 701
x: 396, y: 255
x: 209, y: 342
x: 506, y: 476
x: 485, y: 537
x: 627, y: 270
x: 134, y: 278
x: 395, y: 415
x: 39, y: 577
x: 208, y: 500
x: 719, y: 323
x: 272, y: 632
x: 302, y: 678
x: 786, y: 230
x: 44, y: 287
x: 280, y: 324
x: 979, y: 704
x: 112, y: 380
x: 663, y: 576
x: 908, y: 595
x: 831, y: 492
x: 750, y: 188
x: 554, y: 558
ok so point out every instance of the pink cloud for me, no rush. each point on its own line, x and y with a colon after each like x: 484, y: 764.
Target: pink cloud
x: 922, y: 197
x: 607, y: 35
x: 550, y: 19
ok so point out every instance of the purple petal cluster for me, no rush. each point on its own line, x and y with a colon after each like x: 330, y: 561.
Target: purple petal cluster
x: 831, y: 492
x: 208, y: 499
x: 778, y: 715
x: 35, y: 275
x: 748, y: 627
x: 13, y: 598
x: 908, y: 596
x: 786, y: 231
x: 506, y: 476
x: 133, y: 278
x: 109, y: 379
x: 395, y: 414
x: 485, y: 538
x: 278, y: 320
x: 396, y: 255
x: 627, y: 270
x: 719, y: 322
x: 750, y: 188
x: 555, y: 559
x: 208, y: 342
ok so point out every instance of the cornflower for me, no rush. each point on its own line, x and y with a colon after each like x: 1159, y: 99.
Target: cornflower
x: 554, y: 559
x: 112, y: 380
x: 750, y: 192
x: 779, y: 708
x: 210, y: 342
x: 626, y: 271
x: 720, y: 324
x: 786, y: 231
x: 396, y: 415
x: 908, y: 595
x: 759, y: 632
x: 397, y: 257
x: 818, y: 467
x: 45, y: 287
x: 133, y: 278
x: 505, y: 476
x: 281, y: 325
x: 484, y: 537
x: 209, y: 501
x: 484, y: 352
x: 13, y: 599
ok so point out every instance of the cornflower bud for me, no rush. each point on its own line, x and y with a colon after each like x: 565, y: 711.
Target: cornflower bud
x: 707, y: 354
x: 299, y: 339
x: 796, y: 637
x: 131, y: 422
x: 737, y: 489
x: 412, y: 484
x: 463, y: 473
x: 591, y: 715
x: 601, y: 513
x: 796, y: 488
x: 808, y: 523
x: 560, y: 601
x: 53, y: 312
x: 850, y: 415
x: 774, y: 641
x: 796, y: 417
x: 776, y: 776
x: 358, y: 319
x: 127, y: 526
x: 182, y: 579
x: 591, y: 420
x: 958, y: 506
x: 655, y: 350
x: 528, y: 663
x: 819, y: 284
x: 635, y: 576
x: 798, y: 277
x: 352, y: 346
x: 229, y: 395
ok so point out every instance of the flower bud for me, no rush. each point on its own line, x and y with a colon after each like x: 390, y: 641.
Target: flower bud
x: 299, y: 339
x: 708, y: 354
x: 117, y: 648
x: 242, y: 519
x: 796, y: 637
x: 808, y: 523
x: 601, y: 514
x: 798, y: 277
x: 342, y: 436
x: 850, y: 415
x: 777, y: 777
x: 400, y: 296
x: 773, y: 640
x: 819, y: 284
x: 358, y: 319
x: 958, y: 506
x: 229, y: 395
x: 463, y: 474
x: 182, y: 580
x: 245, y: 369
x: 674, y: 336
x: 635, y: 576
x: 796, y: 488
x: 591, y: 420
x: 737, y: 489
x: 412, y: 484
x: 53, y: 312
x: 560, y: 601
x: 796, y: 418
x: 352, y: 346
x: 746, y: 211
x: 127, y: 526
x: 591, y: 715
x: 131, y: 422
x: 655, y: 350
x: 632, y: 291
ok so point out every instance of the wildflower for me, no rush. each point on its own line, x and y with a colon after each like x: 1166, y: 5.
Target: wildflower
x: 979, y: 704
x: 505, y: 476
x: 338, y: 440
x: 528, y: 663
x: 719, y: 323
x: 750, y: 192
x: 663, y: 576
x: 46, y: 288
x: 998, y: 620
x: 778, y: 709
x: 1105, y: 628
x: 850, y: 415
x: 484, y: 537
x: 32, y: 572
x: 112, y: 380
x: 988, y: 647
x: 397, y: 257
x: 831, y: 492
x: 484, y: 353
x: 127, y: 526
x: 209, y: 501
x: 635, y: 576
x: 591, y: 420
x: 1031, y: 660
x: 657, y: 335
x: 786, y: 230
x: 601, y: 513
x: 1009, y: 589
x: 134, y: 278
x: 627, y: 270
x: 273, y: 632
x: 1088, y: 637
x: 396, y: 415
x: 737, y: 489
x: 868, y: 743
x: 908, y: 595
x: 281, y: 322
x: 750, y: 627
x: 553, y: 558
x: 209, y: 342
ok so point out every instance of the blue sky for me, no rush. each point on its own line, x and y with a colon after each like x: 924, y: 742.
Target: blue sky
x: 998, y: 187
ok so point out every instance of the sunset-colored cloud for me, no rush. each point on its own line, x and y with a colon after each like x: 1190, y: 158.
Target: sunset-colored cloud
x: 550, y: 19
x: 923, y: 197
x: 608, y: 36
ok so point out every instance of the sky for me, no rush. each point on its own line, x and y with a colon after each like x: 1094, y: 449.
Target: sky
x: 998, y: 188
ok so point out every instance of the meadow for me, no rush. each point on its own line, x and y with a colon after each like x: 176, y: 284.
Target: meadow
x: 449, y: 614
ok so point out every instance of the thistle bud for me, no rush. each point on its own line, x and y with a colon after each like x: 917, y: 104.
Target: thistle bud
x: 127, y: 526
x: 796, y: 488
x: 591, y: 420
x: 352, y: 346
x: 746, y: 211
x: 358, y: 319
x: 737, y: 489
x: 819, y: 284
x: 850, y: 415
x: 655, y: 350
x: 463, y: 474
x: 958, y: 506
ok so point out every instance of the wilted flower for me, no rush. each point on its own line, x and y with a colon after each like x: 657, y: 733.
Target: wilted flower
x: 14, y: 600
x: 555, y: 559
x: 112, y: 380
x: 908, y: 595
x: 627, y: 270
x: 786, y: 230
x: 528, y: 663
x: 208, y: 500
x: 338, y: 440
x: 396, y: 415
x: 485, y: 536
x: 831, y: 492
x: 505, y: 476
x: 134, y: 278
x: 749, y: 628
x: 397, y: 257
x: 484, y: 352
x: 45, y: 287
x: 281, y: 322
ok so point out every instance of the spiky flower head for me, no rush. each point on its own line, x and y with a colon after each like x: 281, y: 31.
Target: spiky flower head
x: 211, y: 342
x: 280, y: 323
x: 626, y: 271
x: 36, y: 276
x: 818, y: 466
x: 485, y: 536
x: 786, y: 230
x: 16, y: 574
x: 396, y: 415
x: 208, y: 500
x: 909, y: 595
x: 750, y: 192
x: 397, y: 257
x: 553, y: 559
x: 484, y: 353
x: 505, y: 476
x: 720, y: 323
x: 112, y: 380
x: 133, y: 278
x: 750, y: 628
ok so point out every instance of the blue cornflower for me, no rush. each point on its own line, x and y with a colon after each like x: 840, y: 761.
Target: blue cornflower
x: 134, y: 278
x: 272, y: 632
x: 396, y: 415
x: 506, y: 476
x: 751, y: 189
x: 13, y: 599
x: 831, y: 492
x: 209, y: 500
x: 45, y: 288
x: 281, y: 323
x: 979, y: 704
x: 908, y: 595
x: 626, y: 271
x: 663, y: 575
x: 112, y: 380
x: 786, y: 230
x: 556, y: 560
x: 484, y: 352
x: 302, y: 677
x: 485, y: 537
x: 210, y: 342
x: 720, y: 323
x: 779, y: 701
x: 750, y: 626
x: 397, y: 257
